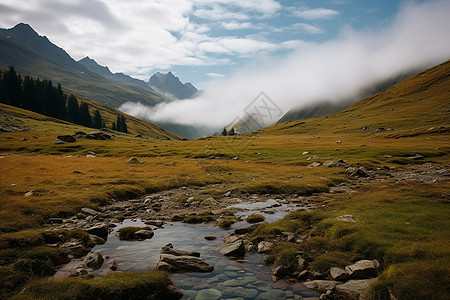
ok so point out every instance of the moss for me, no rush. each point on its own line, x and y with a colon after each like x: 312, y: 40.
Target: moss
x: 226, y: 223
x: 198, y: 219
x: 120, y: 285
x: 255, y: 218
x: 286, y: 254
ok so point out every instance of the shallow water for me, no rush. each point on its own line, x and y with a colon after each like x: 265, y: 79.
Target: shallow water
x: 248, y: 278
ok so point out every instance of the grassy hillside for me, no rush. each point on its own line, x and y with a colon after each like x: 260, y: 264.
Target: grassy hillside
x: 401, y: 207
x: 418, y: 101
x: 28, y: 120
x: 83, y: 83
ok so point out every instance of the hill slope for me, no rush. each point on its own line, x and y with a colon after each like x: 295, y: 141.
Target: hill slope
x: 17, y: 119
x: 34, y: 55
x: 419, y: 100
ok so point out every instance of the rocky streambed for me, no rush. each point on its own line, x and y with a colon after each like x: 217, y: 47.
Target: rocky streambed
x: 232, y: 276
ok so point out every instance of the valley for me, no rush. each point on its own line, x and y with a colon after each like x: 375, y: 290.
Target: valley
x: 368, y: 183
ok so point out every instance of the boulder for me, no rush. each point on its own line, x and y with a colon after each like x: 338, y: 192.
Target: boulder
x: 168, y: 249
x: 338, y: 274
x: 98, y: 135
x: 134, y: 160
x: 89, y: 211
x: 61, y: 139
x: 303, y: 275
x: 246, y: 229
x: 335, y: 164
x: 210, y: 237
x: 231, y: 239
x: 302, y: 264
x: 100, y: 230
x: 173, y: 263
x: 75, y: 247
x: 356, y: 172
x: 354, y: 289
x: 236, y: 249
x: 235, y: 192
x: 321, y: 285
x: 93, y: 260
x: 314, y: 164
x: 416, y: 157
x: 346, y: 218
x: 288, y: 236
x: 362, y: 269
x: 113, y: 265
x: 31, y: 193
x: 265, y: 247
x: 280, y: 272
x: 96, y: 240
x: 144, y: 234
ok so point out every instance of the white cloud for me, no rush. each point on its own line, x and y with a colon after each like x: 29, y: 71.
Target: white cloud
x: 306, y: 27
x: 315, y: 13
x: 265, y: 7
x: 215, y: 75
x: 217, y: 12
x: 332, y: 70
x: 233, y: 25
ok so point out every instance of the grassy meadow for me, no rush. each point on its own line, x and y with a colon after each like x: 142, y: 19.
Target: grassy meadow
x: 402, y: 222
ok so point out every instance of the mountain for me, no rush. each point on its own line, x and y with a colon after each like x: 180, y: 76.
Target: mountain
x: 93, y: 66
x: 35, y: 55
x: 415, y: 105
x: 171, y: 86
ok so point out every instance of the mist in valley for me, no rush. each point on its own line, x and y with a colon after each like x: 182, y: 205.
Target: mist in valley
x: 336, y: 70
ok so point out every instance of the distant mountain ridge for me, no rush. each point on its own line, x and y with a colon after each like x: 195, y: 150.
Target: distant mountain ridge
x: 171, y: 85
x: 105, y: 72
x: 35, y: 55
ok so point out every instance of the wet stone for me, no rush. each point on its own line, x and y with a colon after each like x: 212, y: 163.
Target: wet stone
x: 208, y: 294
x: 271, y: 294
x: 245, y: 293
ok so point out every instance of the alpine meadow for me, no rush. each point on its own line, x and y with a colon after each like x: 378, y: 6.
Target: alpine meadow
x: 230, y: 150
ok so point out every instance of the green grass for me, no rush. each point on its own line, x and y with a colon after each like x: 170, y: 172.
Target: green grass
x: 118, y: 285
x: 402, y: 224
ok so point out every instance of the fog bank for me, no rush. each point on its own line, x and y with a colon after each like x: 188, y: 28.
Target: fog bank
x: 335, y: 70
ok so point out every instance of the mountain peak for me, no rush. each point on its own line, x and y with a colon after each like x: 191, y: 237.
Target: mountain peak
x: 171, y: 85
x: 24, y: 29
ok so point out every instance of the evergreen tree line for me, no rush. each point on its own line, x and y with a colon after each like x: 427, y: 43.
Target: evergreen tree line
x: 43, y: 97
x: 231, y: 132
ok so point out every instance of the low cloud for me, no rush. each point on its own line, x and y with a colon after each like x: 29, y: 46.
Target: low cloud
x: 335, y: 70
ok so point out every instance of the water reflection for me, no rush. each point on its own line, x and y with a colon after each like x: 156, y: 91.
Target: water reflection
x: 248, y: 278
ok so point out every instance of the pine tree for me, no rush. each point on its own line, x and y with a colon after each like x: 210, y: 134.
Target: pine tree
x: 121, y: 124
x: 97, y: 121
x: 85, y: 116
x: 232, y: 132
x: 224, y: 132
x: 13, y: 87
x: 60, y: 103
x: 73, y: 111
x: 114, y: 127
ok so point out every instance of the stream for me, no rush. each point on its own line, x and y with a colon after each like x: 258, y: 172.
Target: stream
x: 247, y: 278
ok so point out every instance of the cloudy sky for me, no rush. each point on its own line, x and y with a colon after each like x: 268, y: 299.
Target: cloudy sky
x: 296, y: 52
x: 198, y: 40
